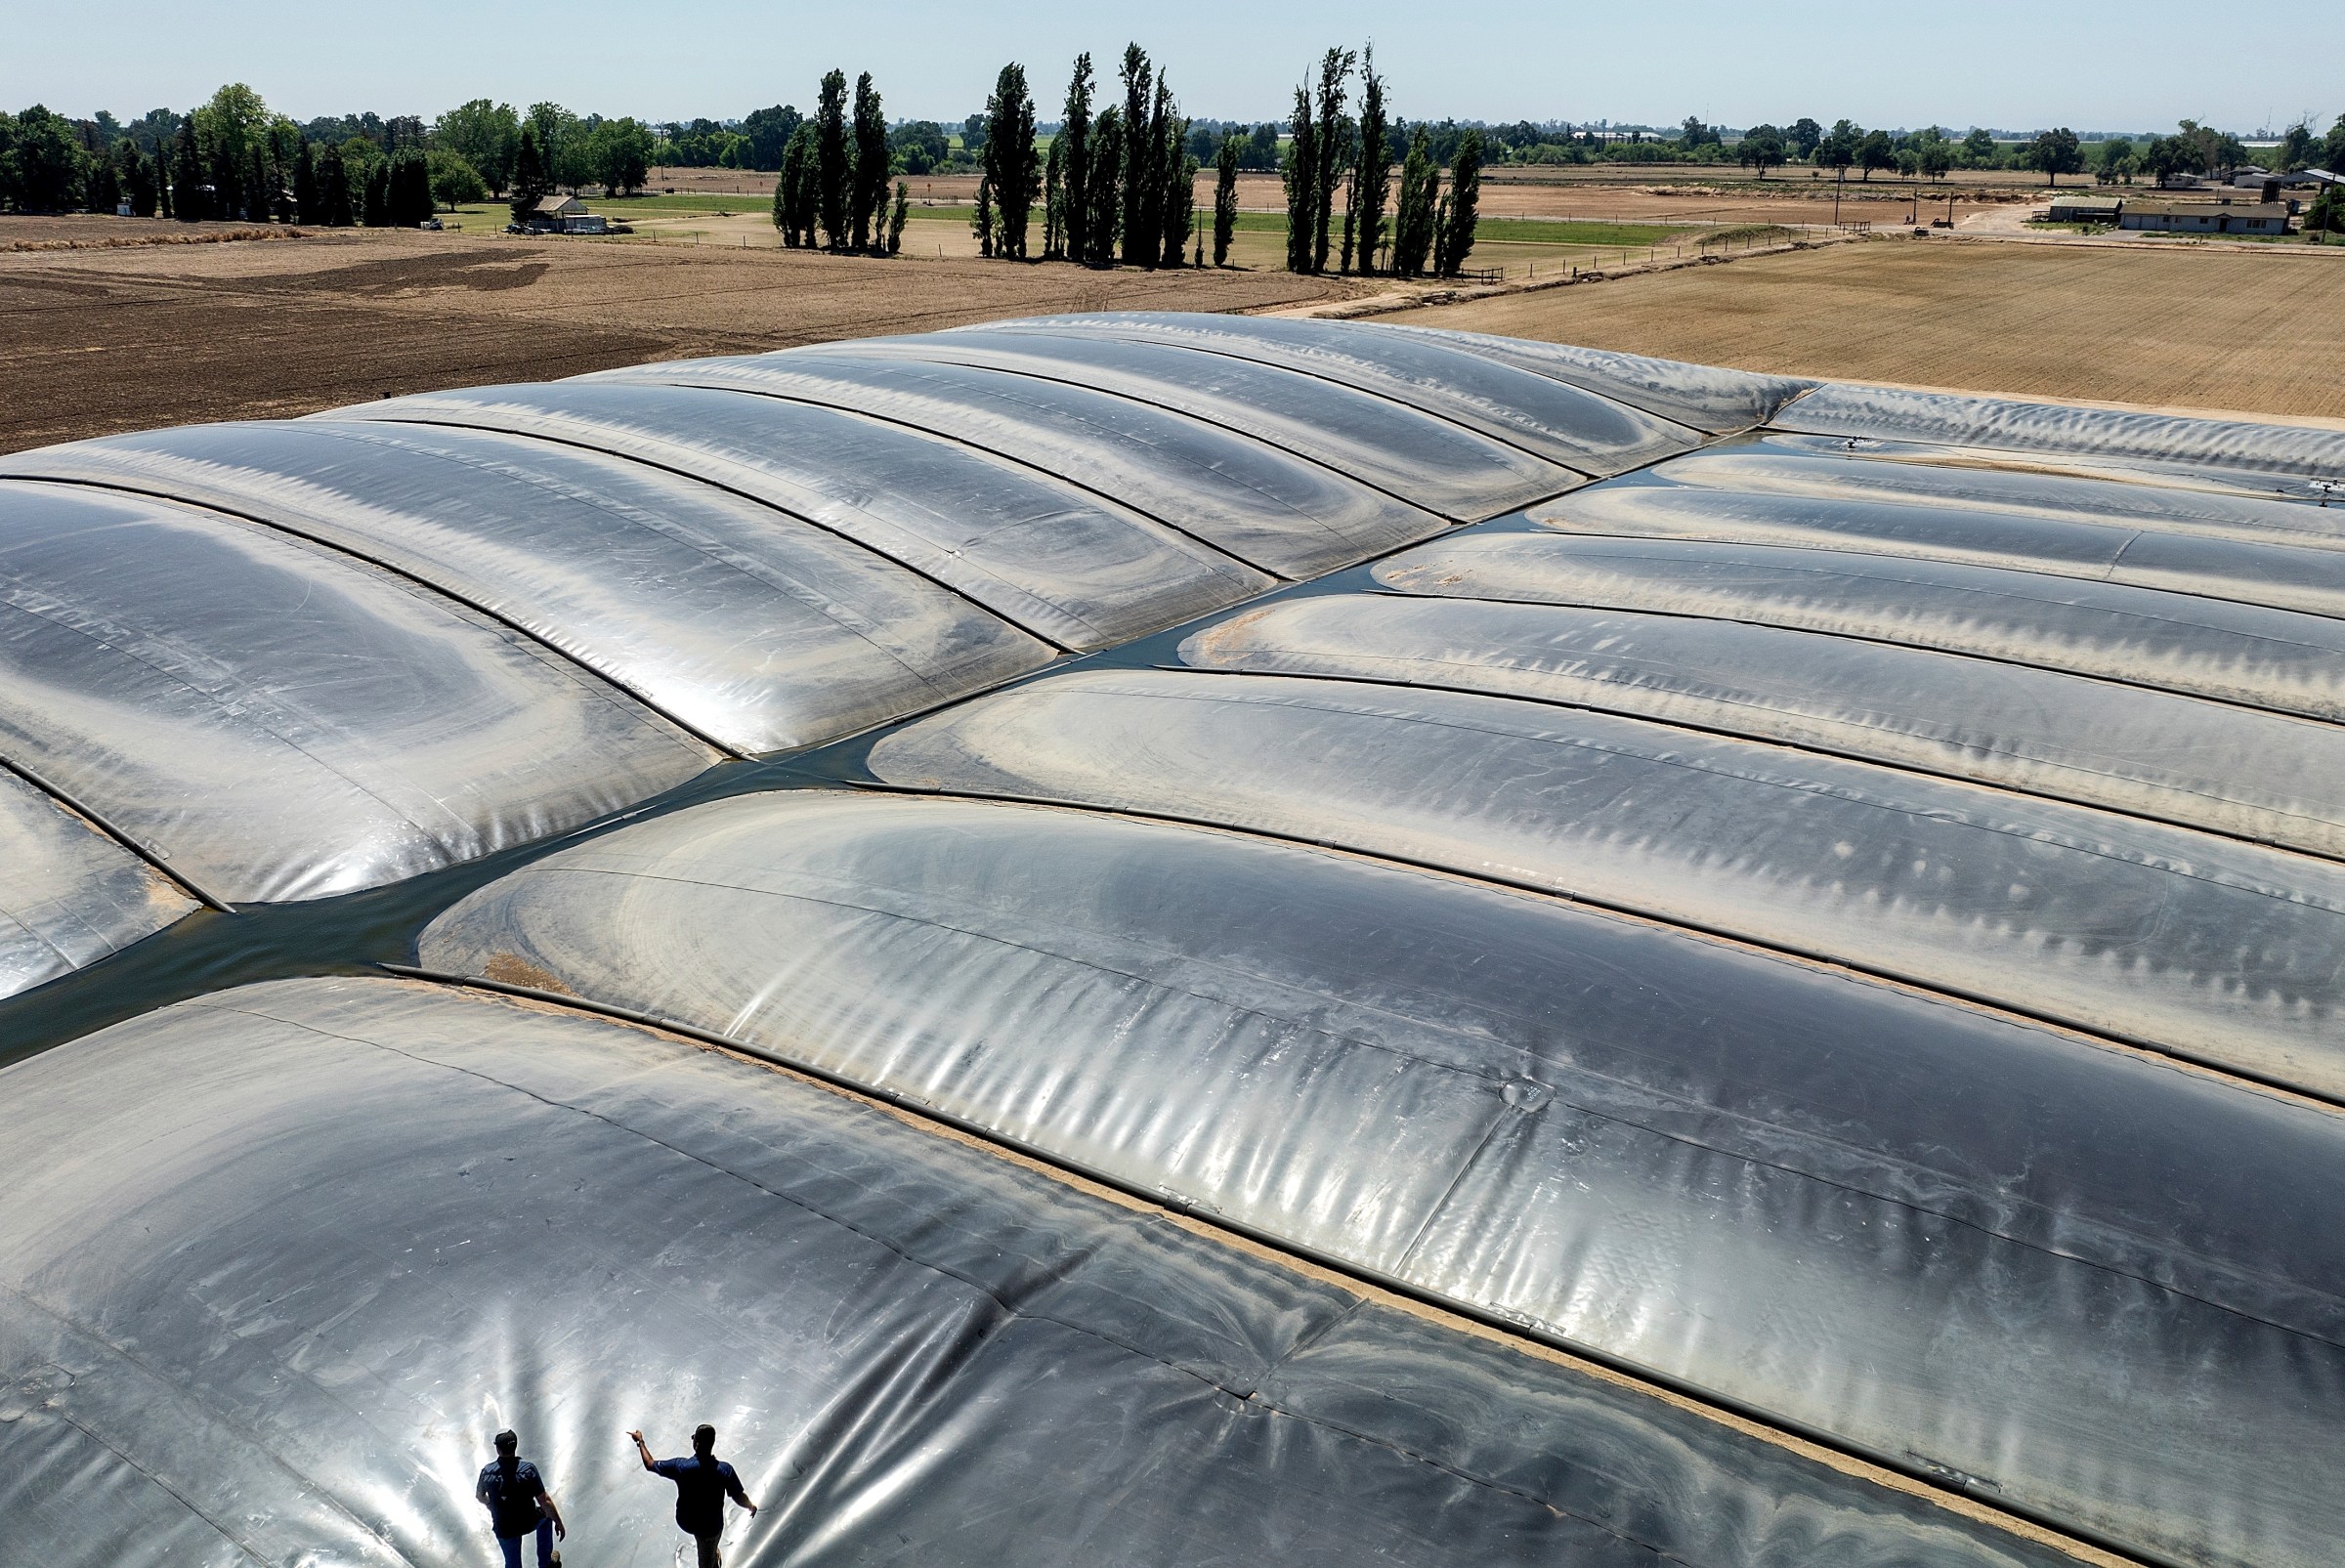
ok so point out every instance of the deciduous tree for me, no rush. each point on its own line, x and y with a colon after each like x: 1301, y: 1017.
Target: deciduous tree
x: 2056, y: 152
x: 484, y: 135
x: 454, y: 181
x: 1875, y: 151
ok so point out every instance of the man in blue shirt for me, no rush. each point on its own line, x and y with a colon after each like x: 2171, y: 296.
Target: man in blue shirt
x: 518, y: 1504
x: 702, y: 1483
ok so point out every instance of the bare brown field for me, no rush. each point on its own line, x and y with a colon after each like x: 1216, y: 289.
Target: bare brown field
x: 110, y: 339
x: 2253, y: 331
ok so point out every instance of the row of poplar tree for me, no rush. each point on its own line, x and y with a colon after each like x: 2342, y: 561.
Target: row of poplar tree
x: 1118, y: 183
x: 1328, y: 150
x: 834, y: 170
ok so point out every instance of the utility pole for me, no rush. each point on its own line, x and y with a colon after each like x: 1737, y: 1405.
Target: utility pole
x: 1840, y: 180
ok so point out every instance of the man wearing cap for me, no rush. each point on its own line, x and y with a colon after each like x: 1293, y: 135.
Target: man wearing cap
x: 518, y: 1504
x: 702, y: 1483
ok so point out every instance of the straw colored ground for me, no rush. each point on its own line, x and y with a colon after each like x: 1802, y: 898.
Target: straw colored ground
x: 2259, y: 332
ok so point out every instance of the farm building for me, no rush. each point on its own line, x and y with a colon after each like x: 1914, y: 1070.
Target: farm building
x: 1152, y: 939
x: 2205, y: 218
x: 2084, y: 209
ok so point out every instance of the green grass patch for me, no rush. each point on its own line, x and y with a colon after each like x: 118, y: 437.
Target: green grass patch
x: 1572, y: 232
x: 683, y: 201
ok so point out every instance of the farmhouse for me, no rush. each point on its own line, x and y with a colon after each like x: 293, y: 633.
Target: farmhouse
x: 2206, y: 218
x: 564, y: 215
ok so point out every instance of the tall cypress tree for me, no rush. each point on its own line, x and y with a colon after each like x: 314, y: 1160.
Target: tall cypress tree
x: 1351, y: 206
x: 1103, y: 189
x: 1335, y: 70
x: 1302, y: 167
x: 1177, y: 206
x: 896, y: 218
x: 869, y: 194
x: 802, y: 183
x: 981, y: 220
x: 334, y: 187
x: 1149, y: 169
x: 187, y: 203
x: 138, y: 178
x: 101, y: 190
x: 1465, y: 198
x: 1009, y: 161
x: 1413, y: 222
x: 833, y: 159
x: 1140, y: 234
x: 305, y: 184
x: 260, y: 189
x: 227, y: 183
x: 1075, y: 132
x: 1225, y: 196
x: 374, y: 207
x: 1054, y: 199
x: 533, y: 182
x: 1375, y: 161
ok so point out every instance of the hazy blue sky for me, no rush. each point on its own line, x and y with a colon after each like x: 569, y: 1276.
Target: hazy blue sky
x: 2141, y: 64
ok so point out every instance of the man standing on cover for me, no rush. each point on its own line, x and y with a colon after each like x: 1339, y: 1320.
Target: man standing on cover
x: 518, y: 1504
x: 702, y: 1483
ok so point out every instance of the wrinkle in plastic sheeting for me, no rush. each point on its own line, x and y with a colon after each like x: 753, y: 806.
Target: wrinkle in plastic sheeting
x: 913, y: 1350
x: 1925, y: 1229
x: 2274, y: 659
x: 282, y: 721
x: 2265, y: 455
x: 1263, y: 505
x: 70, y: 895
x: 1459, y: 473
x: 1561, y: 422
x: 1082, y: 571
x: 751, y: 628
x: 2304, y: 577
x: 1702, y: 397
x: 2264, y: 778
x: 2218, y: 950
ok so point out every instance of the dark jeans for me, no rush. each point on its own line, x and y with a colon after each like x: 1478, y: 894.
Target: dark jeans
x: 545, y: 1545
x: 708, y: 1553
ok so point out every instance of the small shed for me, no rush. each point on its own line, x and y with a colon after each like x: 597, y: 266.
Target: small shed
x: 552, y: 208
x: 2206, y: 218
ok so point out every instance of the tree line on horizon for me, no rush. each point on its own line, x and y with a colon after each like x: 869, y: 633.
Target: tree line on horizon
x: 231, y: 157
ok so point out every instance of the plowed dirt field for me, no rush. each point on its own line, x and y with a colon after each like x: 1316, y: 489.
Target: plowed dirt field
x: 118, y: 338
